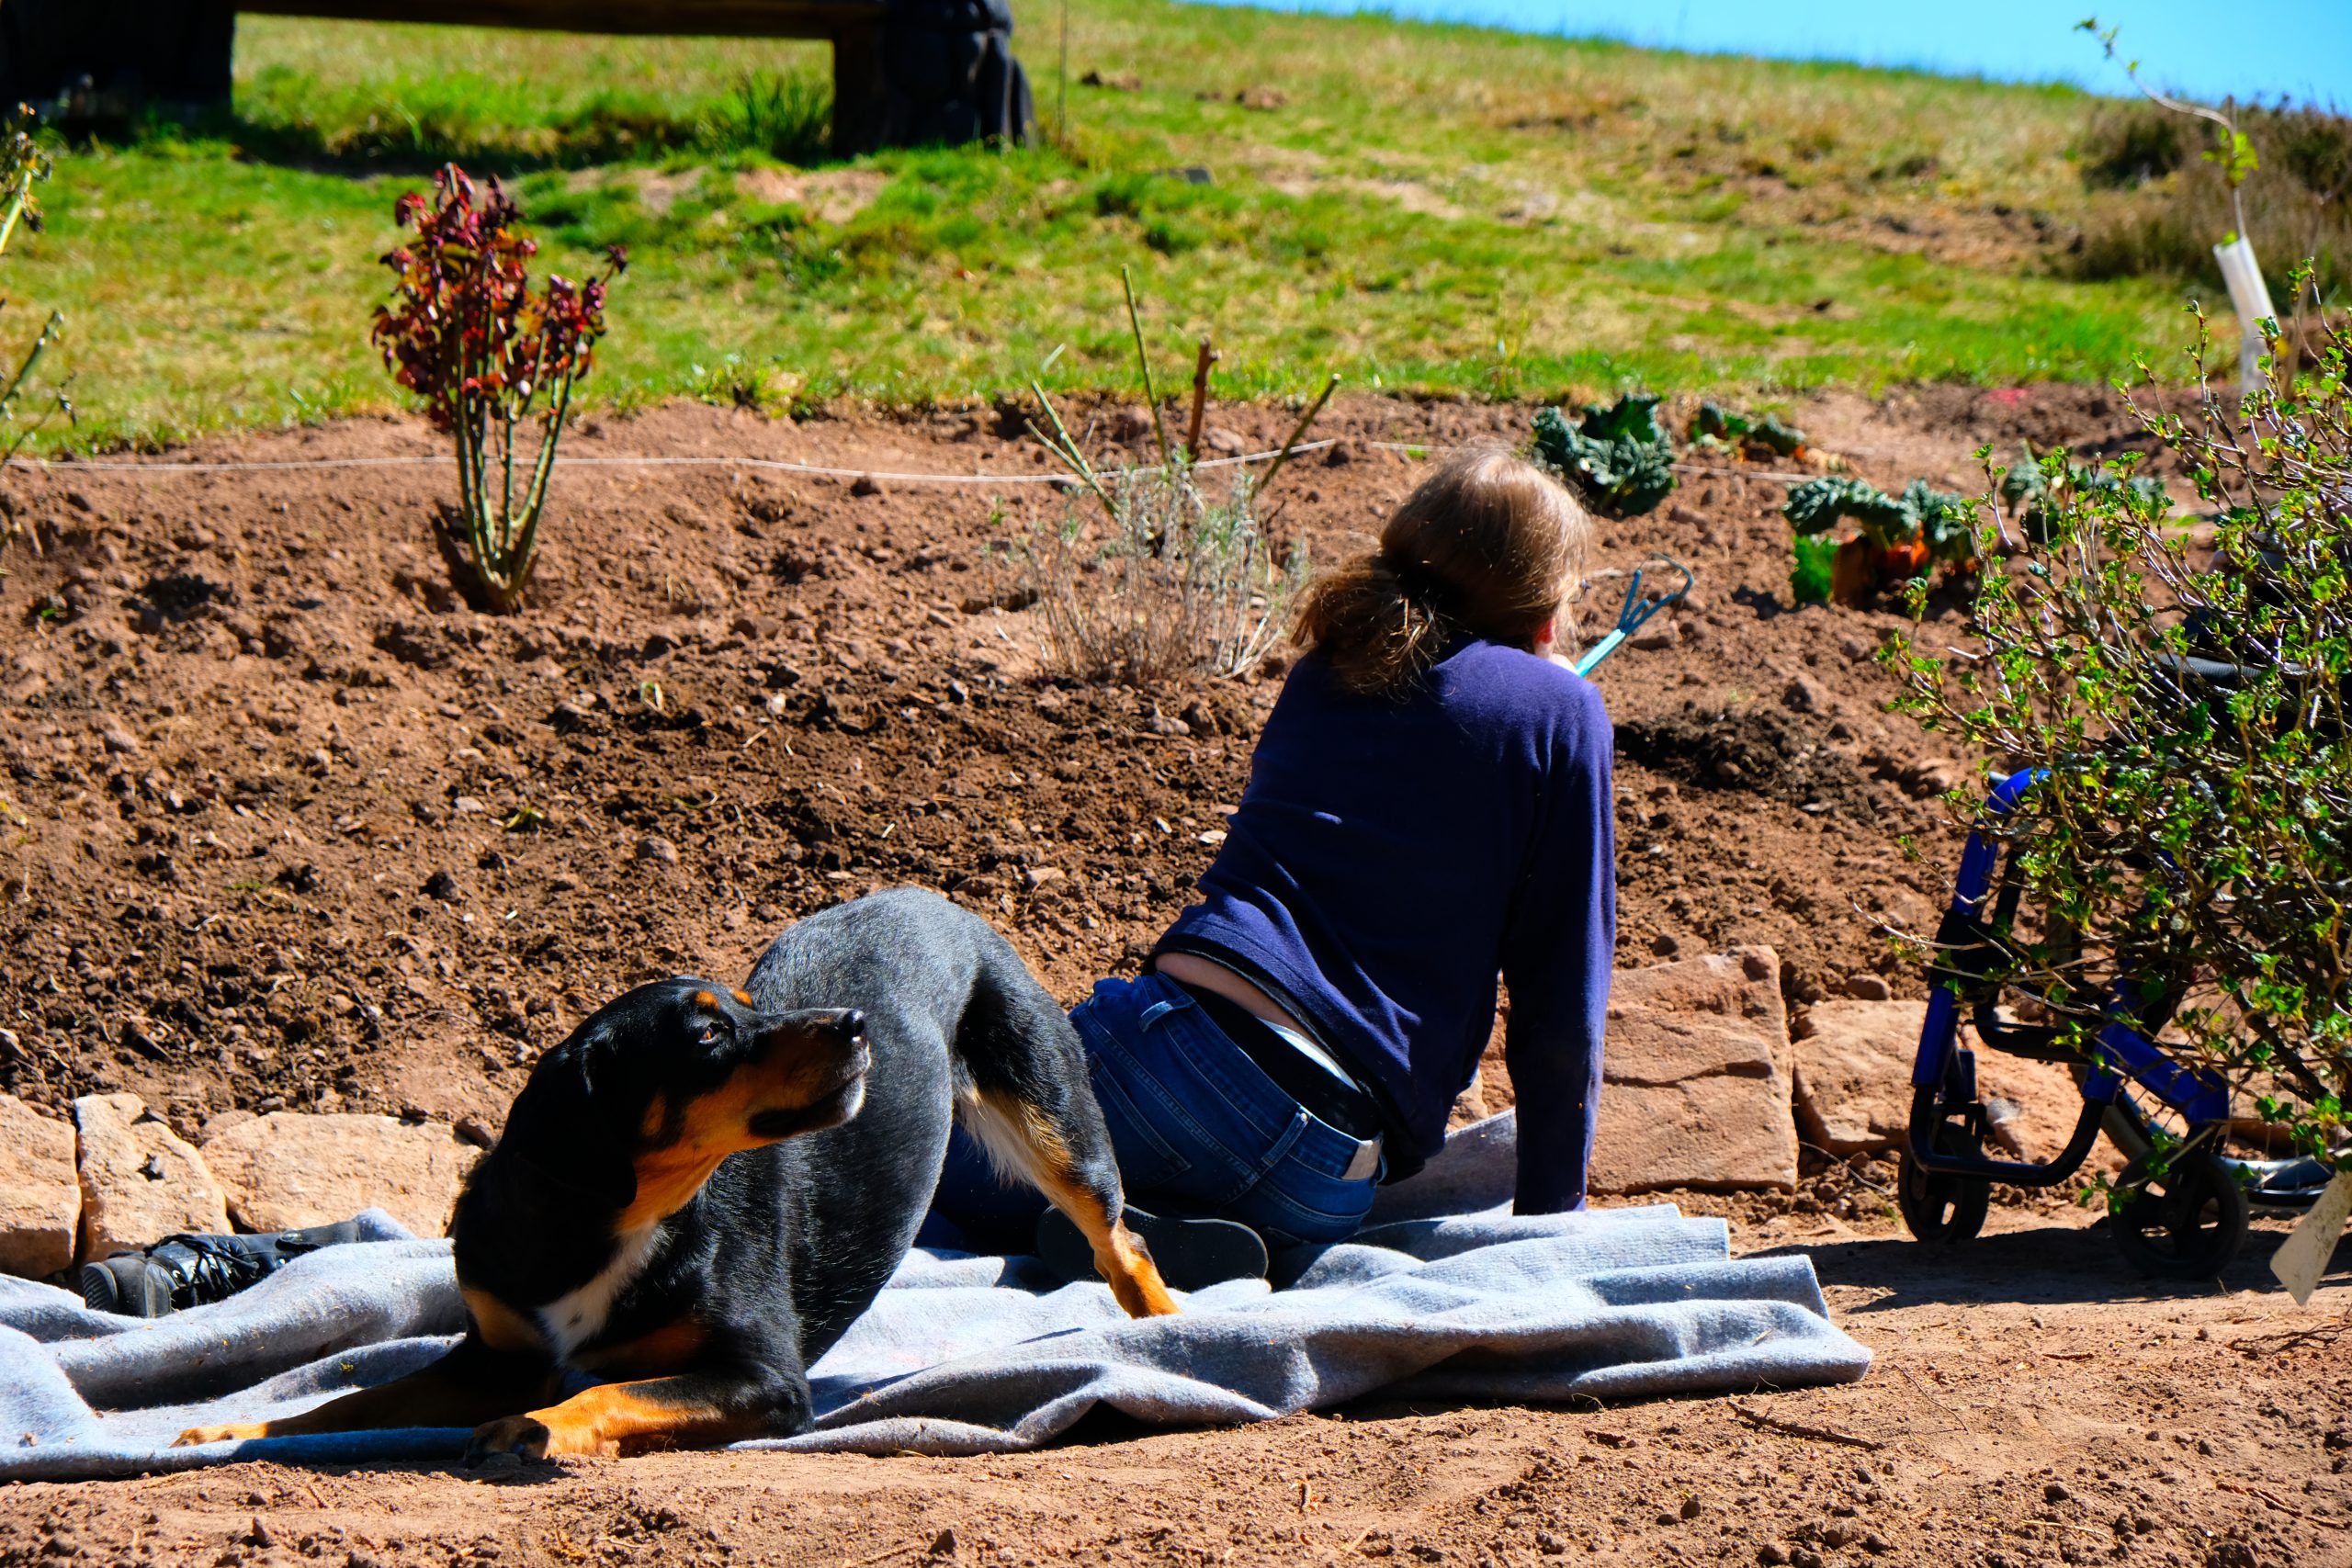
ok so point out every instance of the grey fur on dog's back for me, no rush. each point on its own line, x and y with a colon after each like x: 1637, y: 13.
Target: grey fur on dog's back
x: 951, y: 1013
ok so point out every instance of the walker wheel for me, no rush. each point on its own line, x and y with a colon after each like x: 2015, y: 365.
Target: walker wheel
x: 1940, y: 1208
x: 2187, y: 1225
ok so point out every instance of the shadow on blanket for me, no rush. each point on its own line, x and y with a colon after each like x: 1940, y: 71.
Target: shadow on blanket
x: 1444, y: 1295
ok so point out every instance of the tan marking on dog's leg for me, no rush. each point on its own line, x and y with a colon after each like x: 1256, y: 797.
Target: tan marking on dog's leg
x: 1021, y: 1141
x: 618, y: 1419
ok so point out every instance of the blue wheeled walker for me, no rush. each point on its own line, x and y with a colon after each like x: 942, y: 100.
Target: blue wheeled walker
x: 2186, y: 1221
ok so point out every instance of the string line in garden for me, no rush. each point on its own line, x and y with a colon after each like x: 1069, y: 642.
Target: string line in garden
x: 1418, y: 448
x: 814, y: 470
x: 772, y: 464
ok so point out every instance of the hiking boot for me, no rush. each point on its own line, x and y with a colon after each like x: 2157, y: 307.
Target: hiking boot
x: 1192, y: 1254
x: 183, y: 1271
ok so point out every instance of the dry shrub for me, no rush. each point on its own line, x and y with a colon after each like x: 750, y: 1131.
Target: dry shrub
x: 1159, y: 581
x: 2172, y: 204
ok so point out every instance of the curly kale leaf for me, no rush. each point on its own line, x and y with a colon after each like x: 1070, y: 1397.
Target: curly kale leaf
x: 1618, y: 456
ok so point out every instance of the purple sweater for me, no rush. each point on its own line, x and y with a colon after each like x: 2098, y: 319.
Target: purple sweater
x: 1390, y: 859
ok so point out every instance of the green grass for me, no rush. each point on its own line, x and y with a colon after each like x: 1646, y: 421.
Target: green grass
x: 1432, y: 210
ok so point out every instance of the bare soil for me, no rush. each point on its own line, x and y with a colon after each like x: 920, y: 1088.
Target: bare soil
x: 289, y: 826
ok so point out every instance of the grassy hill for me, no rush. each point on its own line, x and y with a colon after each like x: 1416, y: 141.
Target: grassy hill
x: 1426, y: 209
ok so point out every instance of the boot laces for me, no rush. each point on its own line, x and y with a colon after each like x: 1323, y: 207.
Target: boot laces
x: 214, y: 1268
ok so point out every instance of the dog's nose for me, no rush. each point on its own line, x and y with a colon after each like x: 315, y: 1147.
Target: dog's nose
x: 851, y: 1024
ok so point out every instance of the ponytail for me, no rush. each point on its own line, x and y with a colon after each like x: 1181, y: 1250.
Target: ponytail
x: 1484, y: 547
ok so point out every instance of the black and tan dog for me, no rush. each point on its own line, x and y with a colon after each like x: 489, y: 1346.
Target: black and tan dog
x: 698, y: 1190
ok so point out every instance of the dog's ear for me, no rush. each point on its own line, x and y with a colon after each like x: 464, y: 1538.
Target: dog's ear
x: 593, y: 1050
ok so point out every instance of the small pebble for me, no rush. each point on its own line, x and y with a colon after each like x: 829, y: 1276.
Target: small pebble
x: 2056, y: 1492
x: 654, y: 847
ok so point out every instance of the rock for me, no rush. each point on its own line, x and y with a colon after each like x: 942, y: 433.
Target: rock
x: 1665, y: 946
x: 1853, y: 1085
x: 289, y: 1169
x: 1038, y: 877
x: 1697, y: 1078
x: 1804, y: 695
x: 1867, y: 989
x: 654, y: 847
x: 1658, y: 634
x: 119, y: 740
x: 140, y: 1182
x: 441, y: 885
x: 866, y: 485
x: 40, y: 1201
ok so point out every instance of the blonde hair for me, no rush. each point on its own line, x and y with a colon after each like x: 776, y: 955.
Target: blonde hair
x: 1487, y: 546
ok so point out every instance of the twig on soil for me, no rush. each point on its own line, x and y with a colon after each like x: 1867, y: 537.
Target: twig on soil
x: 2279, y: 1344
x: 1800, y: 1429
x: 2291, y: 1512
x: 1950, y: 1410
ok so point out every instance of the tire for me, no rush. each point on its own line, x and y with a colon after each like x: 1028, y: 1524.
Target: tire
x: 2187, y: 1225
x: 1942, y: 1209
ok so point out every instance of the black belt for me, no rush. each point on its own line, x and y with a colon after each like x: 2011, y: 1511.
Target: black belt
x: 1342, y: 1104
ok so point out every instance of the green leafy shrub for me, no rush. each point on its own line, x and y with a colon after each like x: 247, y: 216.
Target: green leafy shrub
x: 24, y: 164
x: 2189, y: 834
x: 1619, y: 456
x: 2036, y: 489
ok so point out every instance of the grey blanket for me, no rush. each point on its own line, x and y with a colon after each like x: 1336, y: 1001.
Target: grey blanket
x: 964, y: 1355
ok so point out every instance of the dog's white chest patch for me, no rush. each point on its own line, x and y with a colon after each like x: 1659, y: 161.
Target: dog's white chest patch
x: 574, y: 1318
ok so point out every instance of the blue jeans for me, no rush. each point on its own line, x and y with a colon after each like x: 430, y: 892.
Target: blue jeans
x: 1198, y: 1128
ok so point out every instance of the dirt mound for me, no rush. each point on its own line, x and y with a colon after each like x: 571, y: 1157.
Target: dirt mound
x: 1755, y: 749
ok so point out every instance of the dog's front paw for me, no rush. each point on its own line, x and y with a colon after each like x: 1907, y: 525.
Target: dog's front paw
x: 236, y: 1432
x: 537, y: 1436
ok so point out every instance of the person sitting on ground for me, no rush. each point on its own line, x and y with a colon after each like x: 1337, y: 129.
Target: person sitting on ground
x: 1428, y: 807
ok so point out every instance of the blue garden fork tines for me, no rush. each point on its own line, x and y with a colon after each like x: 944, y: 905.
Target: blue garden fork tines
x: 2186, y: 1221
x: 1636, y: 610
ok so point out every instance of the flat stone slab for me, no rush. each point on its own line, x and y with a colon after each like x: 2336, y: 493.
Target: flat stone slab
x: 41, y: 1197
x: 1853, y: 1084
x: 140, y: 1182
x: 1696, y: 1089
x: 287, y: 1170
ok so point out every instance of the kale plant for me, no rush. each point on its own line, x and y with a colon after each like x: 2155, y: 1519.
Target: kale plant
x: 1619, y: 456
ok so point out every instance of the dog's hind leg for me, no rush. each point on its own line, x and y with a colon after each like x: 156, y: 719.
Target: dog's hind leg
x: 1022, y: 1092
x: 1031, y: 1141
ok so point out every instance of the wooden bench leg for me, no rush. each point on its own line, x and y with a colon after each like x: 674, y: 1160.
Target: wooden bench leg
x: 858, y: 91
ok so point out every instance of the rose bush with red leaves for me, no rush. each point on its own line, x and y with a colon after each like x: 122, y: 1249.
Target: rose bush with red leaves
x: 466, y: 332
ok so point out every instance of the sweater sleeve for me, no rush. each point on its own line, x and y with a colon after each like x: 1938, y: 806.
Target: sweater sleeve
x: 1557, y: 952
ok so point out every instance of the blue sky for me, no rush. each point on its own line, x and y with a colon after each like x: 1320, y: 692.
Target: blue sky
x: 2300, y: 49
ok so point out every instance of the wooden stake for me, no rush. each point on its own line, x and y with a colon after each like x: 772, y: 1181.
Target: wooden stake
x: 1208, y: 357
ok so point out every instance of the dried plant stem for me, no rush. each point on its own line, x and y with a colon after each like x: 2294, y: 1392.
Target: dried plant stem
x: 1298, y: 431
x: 1143, y: 363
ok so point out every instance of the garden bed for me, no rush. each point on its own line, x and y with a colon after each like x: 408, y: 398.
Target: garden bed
x: 290, y: 831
